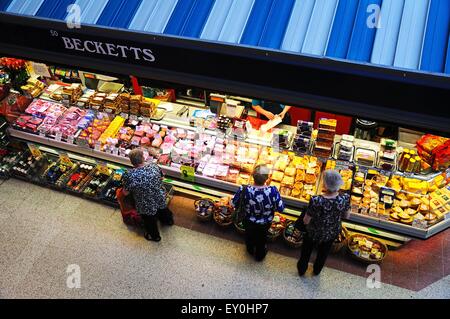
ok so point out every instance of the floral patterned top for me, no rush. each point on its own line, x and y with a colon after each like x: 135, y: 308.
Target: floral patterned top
x: 261, y: 203
x: 146, y: 186
x: 326, y: 215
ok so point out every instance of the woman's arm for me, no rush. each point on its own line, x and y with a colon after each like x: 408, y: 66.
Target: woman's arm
x: 285, y: 111
x: 262, y: 111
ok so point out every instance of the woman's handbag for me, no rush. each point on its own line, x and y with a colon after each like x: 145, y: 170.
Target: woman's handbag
x: 240, y: 209
x: 300, y: 224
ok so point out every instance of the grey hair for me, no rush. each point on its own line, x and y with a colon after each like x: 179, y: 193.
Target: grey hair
x: 136, y: 156
x: 332, y: 180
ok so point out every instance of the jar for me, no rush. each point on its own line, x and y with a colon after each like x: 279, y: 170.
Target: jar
x: 404, y: 163
x: 411, y: 165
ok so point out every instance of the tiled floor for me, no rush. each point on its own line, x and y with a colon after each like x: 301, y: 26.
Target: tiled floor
x: 424, y: 261
x: 43, y: 231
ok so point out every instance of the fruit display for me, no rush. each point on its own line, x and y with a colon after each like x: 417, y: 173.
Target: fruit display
x: 277, y: 227
x: 367, y: 249
x: 97, y: 181
x: 7, y: 160
x: 292, y: 236
x: 80, y: 175
x: 55, y: 172
x: 109, y: 192
x: 29, y: 167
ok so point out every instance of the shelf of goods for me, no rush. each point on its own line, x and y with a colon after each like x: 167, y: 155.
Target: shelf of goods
x: 218, y: 165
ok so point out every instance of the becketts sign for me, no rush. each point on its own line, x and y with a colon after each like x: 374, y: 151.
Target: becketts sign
x: 109, y: 49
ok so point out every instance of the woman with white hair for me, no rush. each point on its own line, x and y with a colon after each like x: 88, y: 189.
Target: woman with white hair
x: 323, y: 222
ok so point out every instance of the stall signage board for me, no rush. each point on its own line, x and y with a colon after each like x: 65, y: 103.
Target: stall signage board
x: 35, y: 151
x: 187, y: 173
x: 65, y: 159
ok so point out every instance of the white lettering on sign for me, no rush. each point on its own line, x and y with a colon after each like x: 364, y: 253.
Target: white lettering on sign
x: 109, y: 49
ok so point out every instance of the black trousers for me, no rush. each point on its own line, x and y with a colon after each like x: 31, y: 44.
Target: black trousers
x: 323, y: 249
x: 151, y: 221
x: 256, y: 239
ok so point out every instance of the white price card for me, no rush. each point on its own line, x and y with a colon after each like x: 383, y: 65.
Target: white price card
x: 70, y: 139
x: 420, y: 223
x: 58, y: 136
x: 98, y: 146
x: 115, y: 151
x: 40, y: 69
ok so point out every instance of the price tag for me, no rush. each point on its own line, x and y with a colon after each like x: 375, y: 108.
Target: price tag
x: 41, y: 133
x: 58, y: 136
x: 115, y: 151
x: 35, y: 151
x: 124, y: 115
x: 384, y: 217
x: 98, y: 146
x: 187, y: 173
x: 122, y: 152
x: 70, y: 139
x: 81, y: 142
x: 419, y: 223
x: 40, y: 69
x: 65, y: 159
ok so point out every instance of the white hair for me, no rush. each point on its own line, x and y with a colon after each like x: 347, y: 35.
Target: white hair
x: 332, y: 180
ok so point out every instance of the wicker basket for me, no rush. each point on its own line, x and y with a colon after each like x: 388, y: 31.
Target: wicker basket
x: 204, y: 208
x: 223, y: 215
x: 355, y: 255
x: 340, y: 242
x: 289, y: 242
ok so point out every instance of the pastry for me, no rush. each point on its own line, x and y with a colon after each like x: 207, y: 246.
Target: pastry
x: 290, y: 171
x: 300, y: 176
x: 310, y: 179
x: 289, y: 181
x: 277, y: 176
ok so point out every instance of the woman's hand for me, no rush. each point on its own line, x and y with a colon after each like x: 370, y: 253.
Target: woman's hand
x: 269, y: 115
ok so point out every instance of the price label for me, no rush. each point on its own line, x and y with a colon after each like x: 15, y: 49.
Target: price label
x: 187, y: 173
x: 81, y: 142
x: 35, y: 151
x: 65, y: 159
x: 58, y: 136
x: 384, y: 217
x: 419, y: 223
x: 124, y: 115
x: 41, y: 133
x: 115, y: 151
x: 122, y: 152
x: 98, y: 146
x: 70, y: 139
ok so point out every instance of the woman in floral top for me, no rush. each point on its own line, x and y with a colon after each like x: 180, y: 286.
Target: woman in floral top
x: 323, y: 222
x: 144, y: 182
x: 260, y: 204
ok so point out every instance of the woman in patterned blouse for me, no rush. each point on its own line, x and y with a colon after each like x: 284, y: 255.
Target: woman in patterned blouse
x: 260, y: 204
x: 144, y: 182
x: 323, y: 222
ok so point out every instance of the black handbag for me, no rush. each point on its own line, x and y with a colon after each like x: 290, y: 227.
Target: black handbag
x: 300, y: 224
x: 240, y: 209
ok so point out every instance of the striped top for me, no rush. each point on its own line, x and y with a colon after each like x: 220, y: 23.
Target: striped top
x: 402, y: 34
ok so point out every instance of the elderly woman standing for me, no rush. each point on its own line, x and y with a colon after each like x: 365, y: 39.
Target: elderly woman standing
x: 260, y: 203
x: 144, y: 182
x: 323, y: 222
